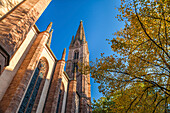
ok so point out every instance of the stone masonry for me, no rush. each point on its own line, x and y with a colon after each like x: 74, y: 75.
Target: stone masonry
x: 15, y: 25
x: 52, y: 99
x: 15, y: 92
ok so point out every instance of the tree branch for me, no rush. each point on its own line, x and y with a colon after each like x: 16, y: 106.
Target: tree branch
x: 143, y: 93
x: 144, y: 29
x: 157, y: 18
x: 131, y: 104
x: 154, y: 83
x: 159, y: 103
x: 159, y: 34
x: 152, y: 63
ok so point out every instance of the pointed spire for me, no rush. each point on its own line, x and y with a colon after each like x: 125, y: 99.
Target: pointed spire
x: 80, y: 32
x: 49, y: 27
x: 74, y: 77
x: 64, y: 54
x: 49, y: 40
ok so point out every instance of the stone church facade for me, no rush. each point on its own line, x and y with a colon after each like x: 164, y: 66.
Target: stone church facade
x: 32, y: 79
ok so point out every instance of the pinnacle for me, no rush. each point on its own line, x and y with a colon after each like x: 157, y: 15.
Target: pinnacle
x: 49, y: 40
x: 49, y: 27
x: 74, y: 77
x: 75, y: 70
x: 72, y: 41
x: 51, y: 32
x: 64, y: 54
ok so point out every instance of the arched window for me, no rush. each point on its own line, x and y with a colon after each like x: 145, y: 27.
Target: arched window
x: 33, y: 93
x: 76, y: 55
x: 60, y: 99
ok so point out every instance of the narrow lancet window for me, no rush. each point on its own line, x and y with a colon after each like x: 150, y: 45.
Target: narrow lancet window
x: 34, y: 87
x: 76, y: 55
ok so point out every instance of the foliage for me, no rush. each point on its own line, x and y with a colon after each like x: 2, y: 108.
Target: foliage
x: 103, y: 105
x: 140, y: 67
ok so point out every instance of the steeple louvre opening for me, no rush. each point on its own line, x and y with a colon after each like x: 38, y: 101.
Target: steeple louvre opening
x: 76, y: 55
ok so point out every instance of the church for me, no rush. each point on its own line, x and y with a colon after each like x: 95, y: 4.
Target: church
x: 32, y: 79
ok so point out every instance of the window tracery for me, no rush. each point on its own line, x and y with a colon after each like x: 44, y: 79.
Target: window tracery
x: 34, y: 87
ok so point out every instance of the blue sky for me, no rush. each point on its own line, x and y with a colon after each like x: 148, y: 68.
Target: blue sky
x: 98, y: 20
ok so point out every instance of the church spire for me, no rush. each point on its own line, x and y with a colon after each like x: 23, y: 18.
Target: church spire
x: 80, y: 35
x: 80, y: 84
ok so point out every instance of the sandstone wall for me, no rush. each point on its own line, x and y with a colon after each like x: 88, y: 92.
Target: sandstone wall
x: 9, y: 72
x: 7, y: 5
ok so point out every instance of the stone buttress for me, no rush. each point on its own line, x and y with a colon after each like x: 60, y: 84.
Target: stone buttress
x: 52, y: 101
x: 72, y: 92
x: 14, y: 95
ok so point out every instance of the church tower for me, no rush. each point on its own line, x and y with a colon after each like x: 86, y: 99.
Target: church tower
x: 79, y: 54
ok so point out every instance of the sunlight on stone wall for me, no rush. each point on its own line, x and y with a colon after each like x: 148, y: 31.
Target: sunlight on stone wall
x: 7, y: 5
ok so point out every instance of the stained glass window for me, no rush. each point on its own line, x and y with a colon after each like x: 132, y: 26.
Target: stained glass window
x: 33, y: 88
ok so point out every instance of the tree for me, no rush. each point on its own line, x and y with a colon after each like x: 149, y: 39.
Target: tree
x: 140, y: 65
x: 103, y: 105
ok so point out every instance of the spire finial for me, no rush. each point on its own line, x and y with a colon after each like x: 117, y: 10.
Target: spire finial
x: 64, y: 54
x: 80, y: 32
x: 81, y: 22
x: 49, y: 27
x: 75, y: 71
x: 49, y: 40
